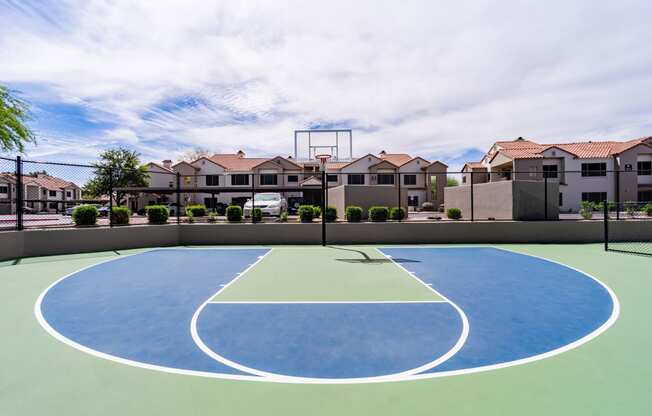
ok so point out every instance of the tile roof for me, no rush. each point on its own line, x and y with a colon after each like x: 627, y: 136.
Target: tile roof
x: 45, y: 181
x: 237, y: 163
x: 474, y: 165
x: 397, y: 159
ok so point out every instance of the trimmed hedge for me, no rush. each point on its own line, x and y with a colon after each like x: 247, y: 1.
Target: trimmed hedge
x: 234, y: 213
x: 257, y: 214
x: 331, y: 214
x: 454, y: 213
x: 397, y: 213
x: 157, y: 214
x: 353, y: 213
x: 378, y: 214
x: 85, y: 215
x: 120, y: 215
x: 306, y: 213
x: 648, y: 210
x: 317, y: 211
x: 196, y: 210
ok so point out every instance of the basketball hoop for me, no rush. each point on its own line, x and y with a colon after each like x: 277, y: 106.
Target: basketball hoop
x: 323, y: 159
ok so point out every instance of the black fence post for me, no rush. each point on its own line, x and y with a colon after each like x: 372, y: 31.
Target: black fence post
x: 472, y: 208
x: 323, y: 208
x: 110, y: 197
x: 178, y: 175
x: 545, y: 196
x: 605, y: 210
x: 20, y: 193
x: 617, y: 176
x: 253, y: 197
x: 399, y: 197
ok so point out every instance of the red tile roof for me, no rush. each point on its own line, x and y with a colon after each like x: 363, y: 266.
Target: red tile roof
x: 397, y: 159
x: 237, y: 163
x: 48, y: 182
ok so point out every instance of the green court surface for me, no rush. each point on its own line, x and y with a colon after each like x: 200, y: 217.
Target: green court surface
x: 609, y: 375
x: 326, y: 274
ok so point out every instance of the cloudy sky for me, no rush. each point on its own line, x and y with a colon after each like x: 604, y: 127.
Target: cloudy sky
x: 440, y: 79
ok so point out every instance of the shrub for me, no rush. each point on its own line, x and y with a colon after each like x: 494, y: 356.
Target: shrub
x: 120, y: 215
x: 378, y: 214
x: 191, y: 217
x: 317, y: 211
x: 196, y: 210
x: 454, y: 213
x: 283, y: 217
x: 306, y: 213
x: 256, y: 215
x: 353, y: 213
x: 212, y: 217
x: 85, y: 215
x: 157, y: 214
x: 234, y: 213
x: 631, y: 208
x: 397, y: 213
x: 427, y: 206
x: 331, y: 214
x: 586, y: 209
x: 648, y: 210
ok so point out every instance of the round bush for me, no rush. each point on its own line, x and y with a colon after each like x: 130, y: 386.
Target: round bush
x: 378, y: 214
x: 586, y: 209
x: 306, y: 213
x: 316, y: 210
x: 196, y: 210
x: 257, y: 214
x: 157, y: 214
x: 85, y: 215
x: 648, y: 210
x: 454, y: 213
x: 331, y: 214
x: 353, y: 213
x: 120, y: 215
x: 397, y: 213
x: 234, y: 213
x: 283, y: 217
x: 427, y: 206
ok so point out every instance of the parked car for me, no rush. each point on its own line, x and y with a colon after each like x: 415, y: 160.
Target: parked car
x: 270, y: 203
x: 102, y: 211
x: 69, y: 210
x: 28, y: 210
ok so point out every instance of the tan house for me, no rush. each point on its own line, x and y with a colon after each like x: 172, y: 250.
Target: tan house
x: 42, y: 193
x: 581, y: 171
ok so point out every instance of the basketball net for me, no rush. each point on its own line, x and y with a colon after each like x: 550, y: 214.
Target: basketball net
x: 323, y: 159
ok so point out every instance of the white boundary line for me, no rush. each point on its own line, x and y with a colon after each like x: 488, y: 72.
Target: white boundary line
x: 606, y: 325
x: 268, y: 376
x: 282, y: 302
x: 602, y: 328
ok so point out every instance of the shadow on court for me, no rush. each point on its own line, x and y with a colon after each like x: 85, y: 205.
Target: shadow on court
x: 366, y: 259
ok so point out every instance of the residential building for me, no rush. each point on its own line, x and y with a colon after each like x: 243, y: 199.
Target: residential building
x: 42, y: 193
x: 584, y: 171
x: 298, y: 181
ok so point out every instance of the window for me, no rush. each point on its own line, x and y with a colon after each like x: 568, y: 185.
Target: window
x: 268, y: 179
x: 644, y: 168
x: 409, y: 179
x: 331, y: 178
x: 385, y: 179
x: 68, y: 194
x: 52, y: 193
x: 464, y: 179
x: 550, y: 171
x: 356, y: 179
x: 293, y: 178
x: 212, y: 180
x: 53, y: 205
x: 4, y: 189
x: 594, y: 169
x: 240, y: 179
x: 596, y: 197
x: 644, y: 196
x: 561, y: 199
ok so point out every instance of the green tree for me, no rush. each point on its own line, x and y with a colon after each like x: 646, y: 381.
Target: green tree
x: 450, y: 181
x: 119, y: 167
x: 14, y: 115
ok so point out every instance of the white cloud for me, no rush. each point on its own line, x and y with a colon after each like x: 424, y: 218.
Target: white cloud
x: 433, y: 78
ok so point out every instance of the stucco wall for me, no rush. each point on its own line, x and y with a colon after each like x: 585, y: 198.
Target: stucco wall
x: 15, y: 244
x: 365, y: 197
x: 490, y: 200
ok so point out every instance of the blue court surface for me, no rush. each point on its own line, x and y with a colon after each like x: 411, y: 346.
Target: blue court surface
x: 490, y: 308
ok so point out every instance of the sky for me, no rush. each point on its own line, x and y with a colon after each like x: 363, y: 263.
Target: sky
x: 439, y: 79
